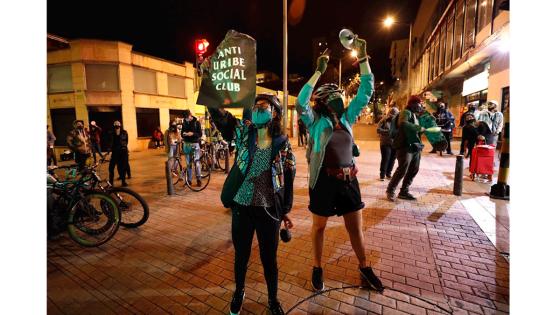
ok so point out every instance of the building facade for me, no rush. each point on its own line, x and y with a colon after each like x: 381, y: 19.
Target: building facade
x: 104, y: 81
x: 461, y: 49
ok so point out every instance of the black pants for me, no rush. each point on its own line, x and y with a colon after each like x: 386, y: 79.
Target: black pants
x: 245, y: 221
x: 120, y: 160
x: 388, y: 156
x: 51, y: 156
x: 96, y: 149
x: 462, y: 149
x: 80, y: 159
x: 302, y: 138
x: 409, y: 164
x: 448, y: 137
x: 158, y: 143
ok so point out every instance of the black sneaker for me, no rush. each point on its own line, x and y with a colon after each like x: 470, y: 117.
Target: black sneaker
x: 317, y: 279
x: 275, y: 308
x: 124, y: 184
x: 406, y: 196
x: 236, y: 302
x: 371, y: 279
x: 390, y: 195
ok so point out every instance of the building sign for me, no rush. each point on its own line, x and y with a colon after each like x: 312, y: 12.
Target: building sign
x: 229, y: 78
x: 476, y: 83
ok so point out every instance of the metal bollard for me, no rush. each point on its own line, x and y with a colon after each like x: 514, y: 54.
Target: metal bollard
x: 458, y: 180
x: 169, y: 178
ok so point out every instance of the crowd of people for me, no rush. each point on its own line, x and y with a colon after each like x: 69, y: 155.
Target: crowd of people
x: 259, y: 186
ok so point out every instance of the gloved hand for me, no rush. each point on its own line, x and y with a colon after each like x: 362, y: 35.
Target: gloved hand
x: 360, y: 46
x: 322, y: 62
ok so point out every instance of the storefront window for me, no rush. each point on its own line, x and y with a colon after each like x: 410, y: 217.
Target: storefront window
x: 484, y: 13
x: 470, y: 19
x: 459, y: 25
x: 62, y: 120
x: 176, y: 85
x: 59, y: 78
x: 443, y: 32
x: 449, y: 41
x: 147, y: 120
x: 102, y: 77
x: 145, y: 81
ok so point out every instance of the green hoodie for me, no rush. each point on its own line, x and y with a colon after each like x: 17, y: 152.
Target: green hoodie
x: 321, y: 128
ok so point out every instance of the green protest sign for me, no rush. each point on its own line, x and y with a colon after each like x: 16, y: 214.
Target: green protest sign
x: 229, y: 79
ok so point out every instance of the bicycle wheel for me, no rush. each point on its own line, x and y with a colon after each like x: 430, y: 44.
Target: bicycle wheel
x: 94, y: 219
x: 134, y: 209
x: 204, y: 180
x: 177, y: 171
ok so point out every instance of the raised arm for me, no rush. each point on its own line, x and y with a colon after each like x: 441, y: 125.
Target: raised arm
x: 302, y: 103
x: 365, y: 91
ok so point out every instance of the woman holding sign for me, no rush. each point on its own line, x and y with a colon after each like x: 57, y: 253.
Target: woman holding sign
x: 259, y: 191
x: 333, y: 186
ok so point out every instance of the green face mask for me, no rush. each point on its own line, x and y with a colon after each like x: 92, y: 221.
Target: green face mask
x: 337, y: 105
x: 261, y: 117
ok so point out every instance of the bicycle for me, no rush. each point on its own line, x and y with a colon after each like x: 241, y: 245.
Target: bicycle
x: 180, y: 173
x: 91, y: 218
x: 133, y: 207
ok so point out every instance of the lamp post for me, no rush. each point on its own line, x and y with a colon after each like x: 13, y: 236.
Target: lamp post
x: 285, y: 63
x: 354, y: 54
x: 388, y: 22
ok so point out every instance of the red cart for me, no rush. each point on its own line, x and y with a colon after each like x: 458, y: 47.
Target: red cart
x: 482, y: 161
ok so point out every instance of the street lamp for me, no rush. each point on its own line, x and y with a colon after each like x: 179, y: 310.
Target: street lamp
x: 353, y: 54
x: 388, y: 22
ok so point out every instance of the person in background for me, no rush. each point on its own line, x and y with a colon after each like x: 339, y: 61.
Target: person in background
x: 388, y: 153
x: 118, y: 138
x: 51, y: 156
x: 158, y: 137
x: 472, y: 110
x: 409, y: 149
x: 192, y: 132
x: 172, y: 141
x: 470, y: 134
x: 446, y: 121
x: 302, y: 132
x: 78, y: 141
x: 497, y: 122
x: 95, y: 136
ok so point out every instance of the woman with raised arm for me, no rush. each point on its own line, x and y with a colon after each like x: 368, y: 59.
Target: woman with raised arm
x: 259, y: 191
x: 333, y: 186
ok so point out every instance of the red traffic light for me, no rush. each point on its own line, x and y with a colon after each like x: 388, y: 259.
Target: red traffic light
x: 200, y: 46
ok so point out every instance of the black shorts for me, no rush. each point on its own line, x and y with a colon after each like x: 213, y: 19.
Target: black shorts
x: 332, y: 196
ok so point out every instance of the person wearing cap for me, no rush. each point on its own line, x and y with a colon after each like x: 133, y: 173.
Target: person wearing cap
x: 409, y: 149
x: 497, y: 122
x: 388, y: 153
x: 118, y: 144
x: 79, y: 142
x: 333, y: 185
x: 95, y: 136
x: 259, y: 191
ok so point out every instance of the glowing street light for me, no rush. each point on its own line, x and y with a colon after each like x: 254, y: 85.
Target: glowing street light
x: 388, y: 21
x: 354, y: 53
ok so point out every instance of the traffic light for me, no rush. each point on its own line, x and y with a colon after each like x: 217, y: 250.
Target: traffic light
x: 200, y: 46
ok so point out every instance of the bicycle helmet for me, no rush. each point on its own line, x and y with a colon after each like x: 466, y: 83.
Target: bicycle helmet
x: 327, y: 92
x: 272, y: 99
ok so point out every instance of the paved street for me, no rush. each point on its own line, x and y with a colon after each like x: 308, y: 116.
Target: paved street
x: 439, y: 254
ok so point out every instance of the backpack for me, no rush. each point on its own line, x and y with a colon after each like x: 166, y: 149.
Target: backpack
x: 394, y: 128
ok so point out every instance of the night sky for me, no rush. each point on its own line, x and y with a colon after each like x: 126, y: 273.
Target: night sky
x: 168, y: 28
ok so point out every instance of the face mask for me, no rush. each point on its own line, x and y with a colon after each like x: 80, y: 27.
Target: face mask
x: 80, y: 127
x: 337, y: 105
x: 261, y: 117
x: 117, y: 127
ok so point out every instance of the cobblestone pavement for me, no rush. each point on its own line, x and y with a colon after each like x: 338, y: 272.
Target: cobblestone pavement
x: 436, y: 255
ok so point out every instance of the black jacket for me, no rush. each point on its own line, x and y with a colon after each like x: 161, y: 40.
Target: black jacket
x: 118, y: 143
x: 194, y: 127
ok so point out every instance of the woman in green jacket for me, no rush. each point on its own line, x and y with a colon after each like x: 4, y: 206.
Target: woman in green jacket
x: 333, y: 186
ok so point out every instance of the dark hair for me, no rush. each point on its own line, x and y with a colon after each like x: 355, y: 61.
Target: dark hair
x: 275, y: 127
x: 322, y: 109
x: 187, y: 113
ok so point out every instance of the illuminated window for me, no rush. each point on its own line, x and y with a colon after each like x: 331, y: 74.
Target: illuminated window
x: 145, y: 81
x: 459, y: 25
x: 484, y: 13
x: 59, y: 78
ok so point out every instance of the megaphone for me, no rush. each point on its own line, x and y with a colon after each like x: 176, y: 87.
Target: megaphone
x: 347, y: 38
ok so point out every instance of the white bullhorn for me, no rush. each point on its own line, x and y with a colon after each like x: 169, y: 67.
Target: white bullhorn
x: 347, y: 38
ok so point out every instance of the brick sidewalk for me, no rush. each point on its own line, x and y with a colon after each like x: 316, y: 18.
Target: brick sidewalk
x: 181, y: 260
